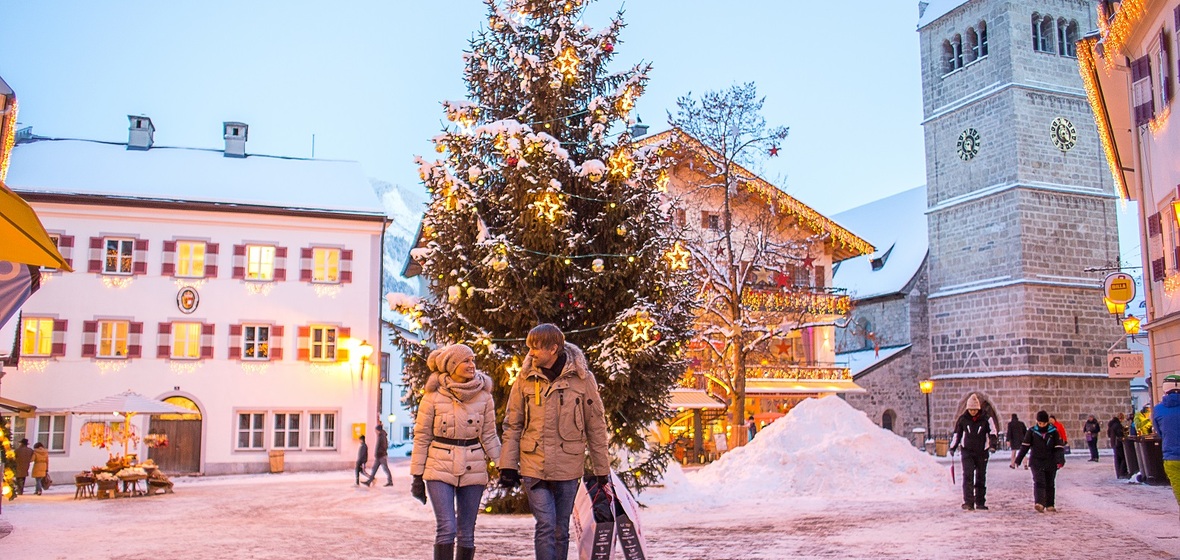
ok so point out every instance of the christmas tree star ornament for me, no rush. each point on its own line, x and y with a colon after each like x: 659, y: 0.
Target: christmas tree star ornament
x: 548, y: 207
x: 621, y: 164
x: 773, y: 151
x: 640, y: 327
x: 567, y: 63
x: 678, y: 257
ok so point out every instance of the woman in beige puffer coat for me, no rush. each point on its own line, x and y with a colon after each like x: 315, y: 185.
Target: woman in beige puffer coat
x: 454, y: 437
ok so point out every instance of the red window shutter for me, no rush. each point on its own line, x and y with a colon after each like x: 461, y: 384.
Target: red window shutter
x: 211, y: 260
x: 276, y: 354
x: 1141, y: 71
x: 345, y: 266
x: 239, y: 262
x: 168, y: 265
x: 342, y: 334
x: 305, y: 264
x: 235, y: 351
x: 170, y: 246
x: 280, y: 264
x: 95, y: 262
x: 207, y: 329
x: 1154, y: 226
x: 135, y: 343
x: 65, y: 246
x: 1158, y: 270
x: 235, y: 330
x: 89, y: 344
x: 276, y: 342
x: 303, y: 339
x: 1165, y: 80
x: 235, y: 342
x: 168, y: 269
x: 139, y: 257
x: 1176, y: 258
x: 164, y: 340
x: 59, y: 338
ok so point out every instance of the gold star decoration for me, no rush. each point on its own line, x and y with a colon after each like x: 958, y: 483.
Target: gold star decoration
x: 640, y: 327
x: 627, y: 100
x: 621, y: 164
x: 567, y: 63
x: 678, y: 257
x: 662, y: 181
x: 548, y: 207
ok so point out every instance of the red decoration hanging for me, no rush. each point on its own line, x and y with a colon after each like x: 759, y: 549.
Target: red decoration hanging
x: 773, y: 151
x: 512, y: 161
x: 608, y: 47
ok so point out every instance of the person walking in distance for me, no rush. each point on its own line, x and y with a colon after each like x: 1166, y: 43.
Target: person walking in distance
x: 554, y: 418
x: 362, y: 457
x: 1166, y: 420
x: 24, y: 460
x: 1116, y: 431
x: 1092, y: 429
x: 976, y: 434
x: 1016, y: 431
x: 40, y: 466
x: 1046, y: 453
x: 454, y: 438
x: 381, y: 457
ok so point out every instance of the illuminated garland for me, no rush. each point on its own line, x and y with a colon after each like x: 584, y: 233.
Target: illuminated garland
x: 782, y: 201
x: 816, y: 303
x: 8, y: 137
x: 792, y: 373
x: 1087, y: 65
x: 1115, y: 31
x: 7, y: 461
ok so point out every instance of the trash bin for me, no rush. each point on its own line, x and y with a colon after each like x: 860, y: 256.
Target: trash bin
x: 940, y: 446
x: 920, y: 438
x: 1151, y: 461
x: 276, y: 461
x: 1129, y: 453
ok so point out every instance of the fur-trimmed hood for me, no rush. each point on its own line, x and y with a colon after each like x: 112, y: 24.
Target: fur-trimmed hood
x: 574, y: 359
x: 433, y: 382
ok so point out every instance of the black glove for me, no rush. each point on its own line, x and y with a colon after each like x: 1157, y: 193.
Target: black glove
x: 418, y: 489
x: 601, y: 498
x: 509, y: 478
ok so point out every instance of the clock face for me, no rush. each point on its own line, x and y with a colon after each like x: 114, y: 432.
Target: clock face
x: 968, y: 144
x: 1063, y: 133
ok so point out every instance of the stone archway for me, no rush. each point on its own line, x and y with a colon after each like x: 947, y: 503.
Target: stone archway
x: 889, y: 420
x: 182, y: 452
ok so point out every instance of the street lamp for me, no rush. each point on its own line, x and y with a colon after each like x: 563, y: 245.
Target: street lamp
x: 365, y: 349
x: 927, y: 387
x: 1131, y: 326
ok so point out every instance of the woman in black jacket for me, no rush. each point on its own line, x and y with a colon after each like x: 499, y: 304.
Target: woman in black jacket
x: 1046, y: 454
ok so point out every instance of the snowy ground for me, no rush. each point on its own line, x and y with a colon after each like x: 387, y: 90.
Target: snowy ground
x: 822, y: 482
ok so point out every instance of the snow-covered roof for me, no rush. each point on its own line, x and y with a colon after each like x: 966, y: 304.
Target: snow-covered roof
x: 937, y: 9
x: 896, y: 226
x: 87, y: 167
x: 860, y: 361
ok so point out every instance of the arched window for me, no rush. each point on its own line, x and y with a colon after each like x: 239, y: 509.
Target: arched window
x: 888, y: 419
x: 972, y: 52
x: 957, y: 45
x: 948, y: 57
x: 1071, y: 38
x: 982, y: 39
x: 1044, y: 33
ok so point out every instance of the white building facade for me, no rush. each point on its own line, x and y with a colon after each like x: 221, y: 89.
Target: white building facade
x: 243, y: 287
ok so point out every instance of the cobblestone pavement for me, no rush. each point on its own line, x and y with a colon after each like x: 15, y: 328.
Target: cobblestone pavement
x: 323, y: 515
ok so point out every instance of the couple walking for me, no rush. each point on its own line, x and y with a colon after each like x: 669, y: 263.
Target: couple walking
x: 553, y: 419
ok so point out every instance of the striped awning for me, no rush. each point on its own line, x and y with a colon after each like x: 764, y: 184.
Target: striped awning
x: 688, y: 399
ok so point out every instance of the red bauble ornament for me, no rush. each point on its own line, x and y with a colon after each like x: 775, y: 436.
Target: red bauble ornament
x: 608, y: 47
x: 512, y: 161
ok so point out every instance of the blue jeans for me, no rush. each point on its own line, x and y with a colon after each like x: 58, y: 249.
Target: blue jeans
x: 552, y: 502
x: 452, y: 528
x: 379, y: 462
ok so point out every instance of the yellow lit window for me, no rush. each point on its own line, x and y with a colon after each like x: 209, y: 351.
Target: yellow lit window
x: 186, y: 341
x: 112, y: 339
x: 323, y: 344
x: 260, y: 262
x: 190, y: 259
x: 37, y: 338
x: 325, y: 265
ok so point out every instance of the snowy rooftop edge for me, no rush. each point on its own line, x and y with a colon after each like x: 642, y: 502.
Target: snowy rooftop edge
x: 937, y: 9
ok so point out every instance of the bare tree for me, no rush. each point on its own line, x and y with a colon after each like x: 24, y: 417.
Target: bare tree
x: 748, y: 257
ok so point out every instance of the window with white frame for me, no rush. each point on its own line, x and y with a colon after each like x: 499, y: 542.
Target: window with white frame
x: 323, y: 343
x: 260, y: 262
x: 251, y: 430
x: 112, y: 339
x: 190, y: 259
x: 17, y: 428
x: 321, y: 430
x: 186, y: 341
x: 56, y: 239
x: 255, y: 342
x: 120, y: 254
x: 325, y: 265
x: 36, y: 337
x: 286, y: 430
x: 51, y: 431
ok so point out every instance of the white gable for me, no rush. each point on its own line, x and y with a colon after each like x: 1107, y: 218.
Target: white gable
x: 896, y: 226
x: 189, y: 174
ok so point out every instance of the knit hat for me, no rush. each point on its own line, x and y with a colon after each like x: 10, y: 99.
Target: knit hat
x: 1042, y: 416
x: 1171, y: 383
x: 973, y: 402
x: 448, y: 358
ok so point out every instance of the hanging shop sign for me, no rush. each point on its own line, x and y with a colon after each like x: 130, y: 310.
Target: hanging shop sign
x: 1119, y: 287
x: 1124, y: 364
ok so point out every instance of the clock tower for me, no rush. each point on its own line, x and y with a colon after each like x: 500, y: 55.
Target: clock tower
x: 1019, y: 206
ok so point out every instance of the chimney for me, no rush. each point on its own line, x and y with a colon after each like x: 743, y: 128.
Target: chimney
x: 141, y: 133
x: 638, y: 129
x: 235, y: 139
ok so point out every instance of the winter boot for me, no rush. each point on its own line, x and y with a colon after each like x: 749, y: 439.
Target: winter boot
x: 981, y: 507
x: 968, y: 507
x: 1040, y: 508
x: 465, y: 553
x: 1051, y: 509
x: 445, y: 551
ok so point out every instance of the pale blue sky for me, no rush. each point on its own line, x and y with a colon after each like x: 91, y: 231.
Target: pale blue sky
x: 366, y: 77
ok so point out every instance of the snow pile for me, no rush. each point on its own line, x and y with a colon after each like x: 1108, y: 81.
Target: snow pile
x: 823, y: 447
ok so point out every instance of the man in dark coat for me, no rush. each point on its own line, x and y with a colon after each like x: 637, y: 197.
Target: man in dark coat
x: 1116, y: 430
x: 362, y: 457
x: 24, y: 459
x: 1092, y: 429
x: 1016, y: 430
x: 976, y: 433
x: 381, y: 457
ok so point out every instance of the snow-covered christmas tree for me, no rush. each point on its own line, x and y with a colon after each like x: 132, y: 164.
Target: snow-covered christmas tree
x: 543, y: 211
